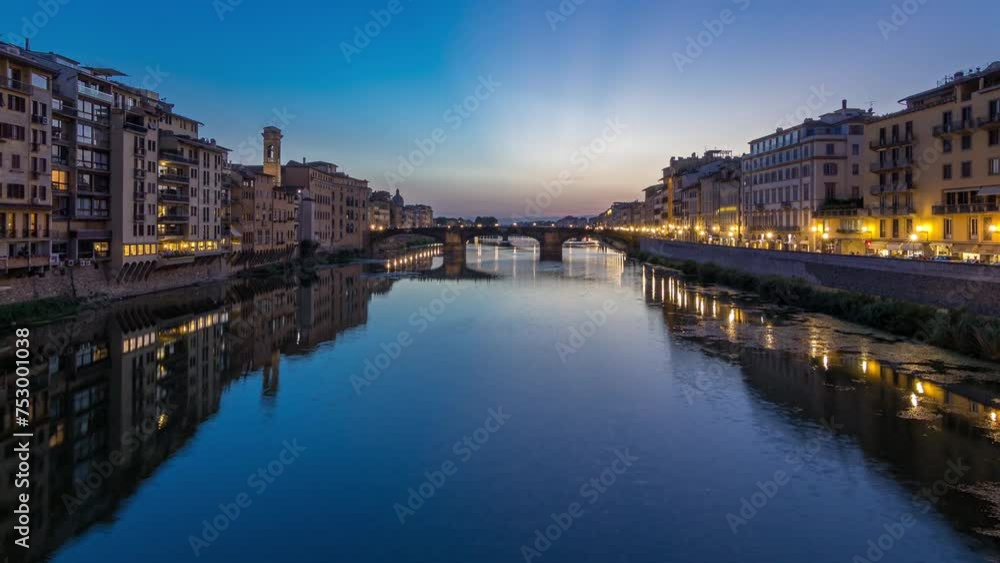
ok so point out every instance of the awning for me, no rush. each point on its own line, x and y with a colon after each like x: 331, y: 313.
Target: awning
x: 988, y: 191
x: 913, y: 247
x: 234, y: 233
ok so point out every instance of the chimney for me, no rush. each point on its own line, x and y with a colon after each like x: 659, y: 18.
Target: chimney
x: 843, y: 104
x: 303, y: 160
x: 27, y: 44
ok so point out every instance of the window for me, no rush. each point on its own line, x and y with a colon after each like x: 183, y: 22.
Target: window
x: 830, y: 149
x: 974, y: 228
x: 855, y: 169
x: 967, y: 169
x: 966, y: 142
x: 830, y: 169
x: 831, y: 190
x: 987, y: 233
x: 856, y: 149
x: 946, y: 146
x: 995, y: 137
x: 995, y: 167
x: 15, y: 191
x: 946, y: 172
x: 949, y: 226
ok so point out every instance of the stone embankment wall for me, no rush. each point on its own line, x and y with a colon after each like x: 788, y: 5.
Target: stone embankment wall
x: 91, y: 282
x: 952, y: 286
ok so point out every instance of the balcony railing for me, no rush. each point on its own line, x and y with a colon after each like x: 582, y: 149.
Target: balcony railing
x: 17, y: 85
x: 889, y: 211
x: 959, y: 126
x: 891, y: 165
x: 173, y: 196
x: 990, y: 122
x: 176, y: 178
x: 94, y: 93
x: 39, y: 119
x: 99, y: 166
x: 90, y: 189
x: 897, y: 141
x: 173, y: 218
x: 965, y: 208
x: 139, y: 174
x: 135, y: 127
x: 892, y: 188
x: 99, y: 143
x: 91, y: 214
x: 65, y: 109
x: 174, y: 156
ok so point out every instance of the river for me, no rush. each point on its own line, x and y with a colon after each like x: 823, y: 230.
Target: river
x: 589, y: 410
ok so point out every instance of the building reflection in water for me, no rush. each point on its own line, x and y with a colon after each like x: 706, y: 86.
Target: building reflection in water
x: 130, y: 384
x: 913, y: 423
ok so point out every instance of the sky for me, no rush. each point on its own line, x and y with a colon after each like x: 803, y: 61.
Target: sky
x: 513, y: 108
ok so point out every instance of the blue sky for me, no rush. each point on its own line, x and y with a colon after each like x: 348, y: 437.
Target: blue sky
x: 558, y: 80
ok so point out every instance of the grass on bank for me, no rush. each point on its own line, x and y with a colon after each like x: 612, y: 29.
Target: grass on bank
x: 30, y: 313
x: 961, y: 331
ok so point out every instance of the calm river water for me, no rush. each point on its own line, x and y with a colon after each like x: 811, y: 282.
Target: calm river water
x: 592, y: 410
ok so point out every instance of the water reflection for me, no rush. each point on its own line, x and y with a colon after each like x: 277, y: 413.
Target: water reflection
x: 126, y: 387
x: 921, y: 422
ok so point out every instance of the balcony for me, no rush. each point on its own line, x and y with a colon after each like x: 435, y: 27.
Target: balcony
x: 990, y: 122
x: 898, y: 187
x: 166, y: 195
x: 64, y: 109
x: 40, y: 119
x: 175, y: 179
x: 99, y: 214
x: 97, y: 166
x: 89, y: 189
x: 135, y: 127
x: 15, y: 85
x: 171, y: 231
x: 93, y: 142
x: 174, y: 156
x: 965, y: 208
x: 954, y: 128
x: 139, y: 174
x: 139, y: 152
x: 887, y: 211
x: 890, y: 164
x: 890, y: 142
x: 173, y: 217
x: 840, y: 208
x: 94, y: 93
x: 139, y: 195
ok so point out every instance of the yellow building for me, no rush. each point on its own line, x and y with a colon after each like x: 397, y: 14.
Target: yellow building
x: 935, y: 171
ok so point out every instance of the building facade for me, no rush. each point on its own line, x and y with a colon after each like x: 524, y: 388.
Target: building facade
x: 934, y: 175
x: 26, y: 90
x: 802, y: 186
x: 335, y: 205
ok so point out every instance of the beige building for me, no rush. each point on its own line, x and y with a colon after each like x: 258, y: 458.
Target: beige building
x: 934, y: 176
x: 25, y: 178
x: 334, y: 209
x: 380, y: 211
x: 802, y: 186
x: 264, y: 215
x: 418, y: 217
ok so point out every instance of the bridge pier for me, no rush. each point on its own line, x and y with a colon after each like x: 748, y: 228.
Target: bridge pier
x: 454, y: 251
x: 551, y: 247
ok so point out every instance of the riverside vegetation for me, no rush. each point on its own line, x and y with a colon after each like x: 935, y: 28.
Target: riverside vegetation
x: 958, y: 330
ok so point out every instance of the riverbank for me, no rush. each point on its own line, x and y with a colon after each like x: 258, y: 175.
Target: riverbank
x: 977, y: 336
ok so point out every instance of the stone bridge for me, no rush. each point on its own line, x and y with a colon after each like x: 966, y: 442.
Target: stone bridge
x: 550, y: 239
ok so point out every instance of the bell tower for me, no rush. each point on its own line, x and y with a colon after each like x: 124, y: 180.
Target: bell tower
x: 272, y: 153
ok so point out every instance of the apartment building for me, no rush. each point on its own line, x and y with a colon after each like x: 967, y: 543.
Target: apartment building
x: 683, y: 200
x: 802, y: 186
x: 935, y: 170
x: 418, y: 216
x: 718, y: 210
x: 334, y: 209
x: 264, y: 215
x: 26, y: 89
x: 654, y: 201
x: 622, y: 214
x: 380, y: 211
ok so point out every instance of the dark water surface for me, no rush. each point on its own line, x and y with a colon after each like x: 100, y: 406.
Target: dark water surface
x: 373, y: 417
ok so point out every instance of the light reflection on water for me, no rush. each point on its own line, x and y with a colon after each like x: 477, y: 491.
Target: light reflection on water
x: 709, y: 388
